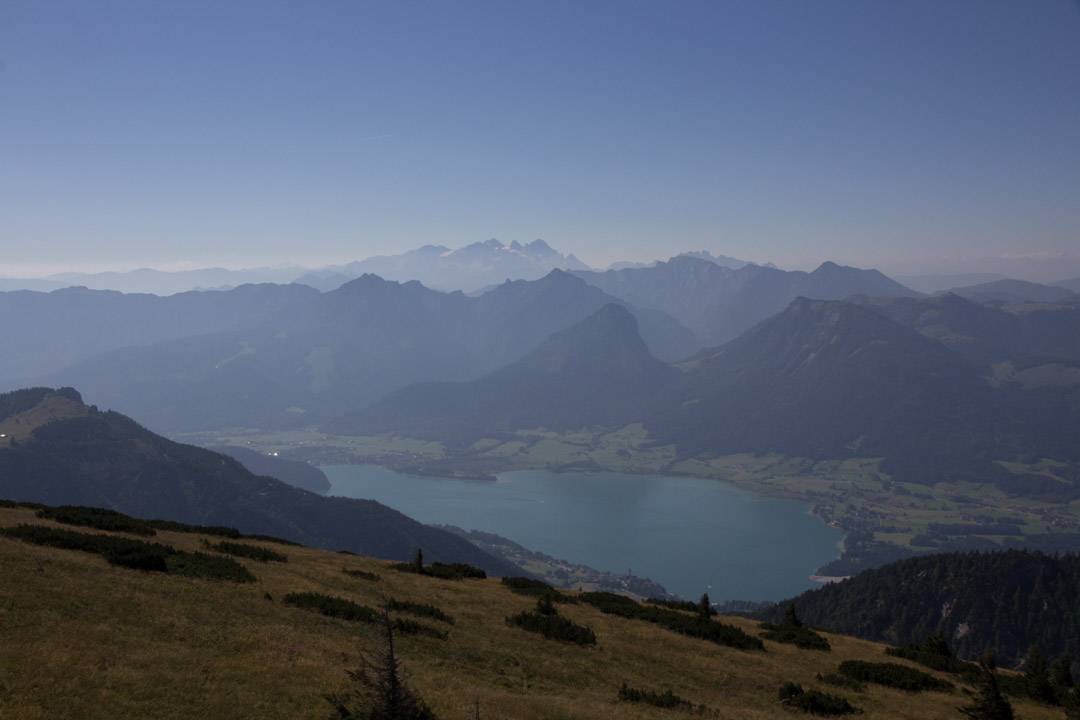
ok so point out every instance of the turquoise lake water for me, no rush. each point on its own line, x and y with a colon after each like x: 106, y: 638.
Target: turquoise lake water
x: 691, y: 535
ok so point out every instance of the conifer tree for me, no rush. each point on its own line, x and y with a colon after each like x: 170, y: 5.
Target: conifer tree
x: 1037, y: 678
x: 418, y: 561
x: 1071, y: 701
x: 705, y: 606
x: 1061, y: 675
x: 545, y: 606
x: 989, y: 703
x: 791, y: 619
x: 378, y: 689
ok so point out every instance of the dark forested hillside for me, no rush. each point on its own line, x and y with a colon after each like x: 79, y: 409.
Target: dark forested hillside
x: 104, y: 459
x: 1002, y: 601
x: 294, y: 472
x: 1025, y: 335
x: 833, y: 379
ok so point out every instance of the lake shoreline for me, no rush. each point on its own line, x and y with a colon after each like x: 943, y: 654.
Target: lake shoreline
x: 608, y: 521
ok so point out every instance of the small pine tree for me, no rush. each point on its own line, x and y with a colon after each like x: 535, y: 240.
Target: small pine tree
x: 545, y: 606
x: 705, y: 606
x: 1071, y: 701
x: 1061, y: 674
x: 418, y: 561
x: 1037, y: 677
x: 989, y: 703
x: 378, y: 690
x: 791, y: 619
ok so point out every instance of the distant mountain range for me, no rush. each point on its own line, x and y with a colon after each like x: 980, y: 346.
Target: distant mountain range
x: 935, y: 283
x: 469, y: 268
x: 1013, y: 291
x: 158, y: 282
x: 54, y: 449
x: 598, y: 372
x: 292, y: 356
x: 718, y: 303
x: 940, y: 388
x: 721, y: 260
x: 45, y: 332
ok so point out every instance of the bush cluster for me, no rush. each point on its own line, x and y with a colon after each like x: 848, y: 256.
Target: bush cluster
x: 420, y: 610
x: 13, y: 504
x: 684, y: 605
x: 546, y: 621
x: 536, y: 588
x: 814, y: 702
x: 330, y: 606
x: 174, y: 526
x: 675, y: 621
x: 252, y: 552
x: 443, y: 571
x: 113, y: 521
x: 893, y: 675
x: 934, y: 652
x: 799, y: 636
x: 666, y: 699
x: 337, y: 607
x: 135, y: 554
x: 97, y: 518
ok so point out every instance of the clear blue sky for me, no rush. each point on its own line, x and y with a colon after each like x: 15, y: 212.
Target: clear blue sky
x: 248, y: 133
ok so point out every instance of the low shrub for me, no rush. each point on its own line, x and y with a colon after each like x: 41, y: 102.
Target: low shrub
x: 814, y: 702
x: 337, y: 607
x: 443, y: 571
x: 173, y: 526
x: 546, y: 621
x: 420, y: 610
x: 13, y: 504
x: 330, y: 606
x: 134, y: 554
x: 147, y: 557
x: 666, y: 699
x: 361, y: 574
x: 893, y: 675
x: 97, y: 518
x: 934, y: 652
x: 455, y: 571
x: 209, y: 567
x: 272, y: 539
x: 553, y: 627
x: 536, y: 588
x: 251, y: 552
x: 684, y: 605
x: 675, y: 621
x: 797, y: 635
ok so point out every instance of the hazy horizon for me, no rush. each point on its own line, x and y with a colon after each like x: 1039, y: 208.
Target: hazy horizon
x: 913, y: 138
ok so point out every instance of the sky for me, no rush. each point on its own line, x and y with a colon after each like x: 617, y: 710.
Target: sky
x: 914, y: 136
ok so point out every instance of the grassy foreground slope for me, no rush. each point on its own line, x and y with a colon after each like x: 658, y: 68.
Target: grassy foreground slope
x: 85, y: 639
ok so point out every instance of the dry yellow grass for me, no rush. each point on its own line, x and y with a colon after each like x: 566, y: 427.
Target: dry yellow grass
x: 82, y: 639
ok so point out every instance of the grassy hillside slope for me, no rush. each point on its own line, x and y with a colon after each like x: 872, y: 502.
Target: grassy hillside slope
x: 85, y: 639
